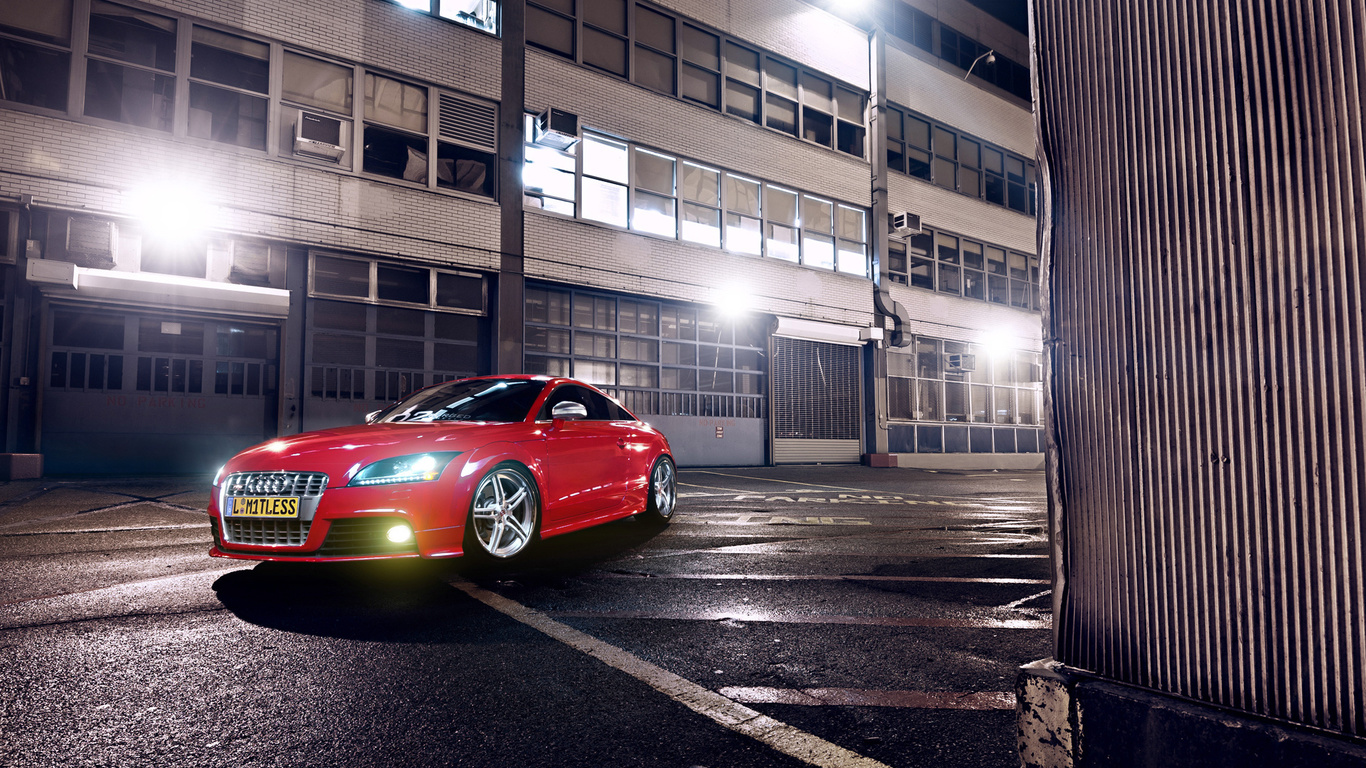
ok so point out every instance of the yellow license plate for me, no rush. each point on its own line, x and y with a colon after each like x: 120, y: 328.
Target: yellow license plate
x: 265, y: 507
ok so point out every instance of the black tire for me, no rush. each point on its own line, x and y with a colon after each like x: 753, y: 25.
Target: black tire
x: 662, y: 497
x: 499, y: 529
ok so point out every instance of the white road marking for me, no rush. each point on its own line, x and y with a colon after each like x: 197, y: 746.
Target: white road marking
x: 769, y: 480
x: 1024, y: 600
x: 721, y: 710
x: 859, y: 697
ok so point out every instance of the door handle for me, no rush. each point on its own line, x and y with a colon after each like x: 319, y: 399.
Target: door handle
x: 621, y: 442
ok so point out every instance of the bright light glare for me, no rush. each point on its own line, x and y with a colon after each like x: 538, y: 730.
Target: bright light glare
x: 733, y: 299
x: 995, y: 343
x: 400, y: 534
x: 422, y: 466
x: 172, y: 210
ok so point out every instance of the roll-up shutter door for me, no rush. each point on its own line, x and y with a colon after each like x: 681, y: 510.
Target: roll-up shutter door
x: 815, y: 402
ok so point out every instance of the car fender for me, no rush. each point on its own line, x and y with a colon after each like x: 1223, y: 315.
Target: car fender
x: 486, y: 457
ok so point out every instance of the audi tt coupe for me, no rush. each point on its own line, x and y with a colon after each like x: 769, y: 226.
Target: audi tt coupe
x: 482, y: 466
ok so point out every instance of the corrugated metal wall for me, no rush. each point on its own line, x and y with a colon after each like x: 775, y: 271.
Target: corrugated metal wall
x: 1203, y: 245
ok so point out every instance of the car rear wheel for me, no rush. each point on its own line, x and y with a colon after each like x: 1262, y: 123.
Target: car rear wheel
x: 504, y: 514
x: 663, y: 498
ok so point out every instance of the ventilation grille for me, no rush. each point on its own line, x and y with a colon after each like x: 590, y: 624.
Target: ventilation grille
x: 1207, y: 375
x: 815, y: 390
x: 360, y: 536
x: 92, y: 243
x: 473, y: 123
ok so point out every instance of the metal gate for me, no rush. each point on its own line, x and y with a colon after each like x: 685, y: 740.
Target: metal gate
x: 142, y: 393
x: 815, y: 402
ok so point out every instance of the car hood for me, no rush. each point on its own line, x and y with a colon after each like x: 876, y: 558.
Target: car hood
x: 343, y: 449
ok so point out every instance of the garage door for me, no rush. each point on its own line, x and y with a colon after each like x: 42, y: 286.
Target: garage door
x: 815, y: 402
x: 144, y: 393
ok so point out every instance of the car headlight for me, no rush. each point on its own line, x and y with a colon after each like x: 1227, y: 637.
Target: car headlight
x: 414, y: 468
x: 218, y: 475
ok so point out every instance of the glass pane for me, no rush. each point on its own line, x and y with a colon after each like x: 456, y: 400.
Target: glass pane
x: 817, y: 126
x: 970, y: 182
x: 227, y: 116
x: 396, y: 155
x: 818, y: 251
x: 974, y: 284
x: 817, y: 215
x: 922, y: 273
x: 230, y: 60
x: 606, y: 14
x: 996, y: 260
x: 547, y: 340
x: 781, y: 114
x: 969, y: 153
x: 849, y: 139
x: 782, y: 79
x: 917, y: 133
x: 654, y: 70
x: 742, y: 64
x: 595, y: 344
x: 35, y: 76
x: 781, y: 205
x: 918, y: 164
x: 701, y: 185
x: 998, y: 289
x: 639, y: 376
x: 595, y: 372
x: 341, y: 277
x: 677, y: 323
x: 549, y: 31
x: 604, y: 201
x: 994, y: 161
x: 981, y: 404
x: 403, y: 284
x: 702, y: 225
x: 131, y: 35
x: 782, y: 242
x: 396, y: 103
x: 701, y: 86
x: 604, y: 51
x: 1019, y: 266
x: 948, y: 248
x: 853, y: 258
x: 471, y: 171
x: 654, y: 29
x: 317, y: 83
x: 679, y: 354
x: 929, y: 401
x: 972, y: 254
x: 480, y: 14
x: 849, y: 106
x: 816, y: 93
x: 654, y: 172
x: 679, y: 378
x: 742, y: 195
x: 133, y: 96
x: 654, y: 214
x: 1004, y: 402
x: 605, y: 159
x: 701, y: 47
x: 742, y: 101
x: 596, y: 312
x: 49, y: 21
x: 459, y: 291
x: 851, y: 222
x: 743, y: 234
x: 547, y: 306
x: 944, y: 174
x: 949, y: 279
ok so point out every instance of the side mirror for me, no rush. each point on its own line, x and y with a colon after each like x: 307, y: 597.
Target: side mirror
x: 370, y: 417
x: 568, y: 411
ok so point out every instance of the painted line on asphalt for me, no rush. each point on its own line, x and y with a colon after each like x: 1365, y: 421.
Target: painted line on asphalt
x: 120, y: 585
x: 771, y: 480
x: 108, y: 530
x: 823, y: 577
x: 1024, y: 600
x: 749, y: 549
x: 721, y: 710
x: 768, y: 618
x: 859, y: 697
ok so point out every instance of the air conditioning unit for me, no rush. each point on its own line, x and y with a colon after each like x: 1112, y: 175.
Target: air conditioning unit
x: 557, y: 128
x: 250, y: 263
x: 318, y: 136
x: 91, y: 242
x: 966, y: 363
x: 905, y: 224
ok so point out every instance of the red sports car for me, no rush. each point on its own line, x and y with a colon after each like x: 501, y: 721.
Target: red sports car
x: 476, y: 466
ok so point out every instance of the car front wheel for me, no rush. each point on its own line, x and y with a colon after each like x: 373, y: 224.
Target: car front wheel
x: 504, y: 514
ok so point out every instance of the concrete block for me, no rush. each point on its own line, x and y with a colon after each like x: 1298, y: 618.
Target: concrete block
x: 1044, y: 715
x: 879, y: 459
x: 21, y: 466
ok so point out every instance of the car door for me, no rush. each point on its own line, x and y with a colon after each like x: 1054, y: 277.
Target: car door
x: 584, y: 458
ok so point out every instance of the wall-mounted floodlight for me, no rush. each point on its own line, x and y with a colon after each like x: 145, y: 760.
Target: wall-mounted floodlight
x: 172, y: 210
x: 732, y: 299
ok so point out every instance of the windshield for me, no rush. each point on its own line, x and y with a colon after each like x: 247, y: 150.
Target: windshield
x: 468, y: 400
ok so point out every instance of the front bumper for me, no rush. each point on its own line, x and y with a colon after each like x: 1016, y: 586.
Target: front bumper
x: 349, y: 524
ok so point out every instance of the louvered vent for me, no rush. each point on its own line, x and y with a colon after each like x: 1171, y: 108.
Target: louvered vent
x: 250, y: 263
x: 816, y: 390
x: 473, y: 123
x: 92, y: 242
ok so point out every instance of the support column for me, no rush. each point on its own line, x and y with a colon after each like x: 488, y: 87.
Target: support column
x: 508, y: 300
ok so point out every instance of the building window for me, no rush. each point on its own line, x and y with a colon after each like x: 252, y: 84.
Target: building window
x: 672, y: 56
x: 367, y: 280
x: 130, y: 69
x: 648, y: 191
x: 954, y: 160
x: 229, y: 86
x: 479, y: 14
x: 958, y: 382
x: 35, y: 53
x: 654, y: 357
x: 958, y: 266
x: 395, y: 140
x: 918, y: 28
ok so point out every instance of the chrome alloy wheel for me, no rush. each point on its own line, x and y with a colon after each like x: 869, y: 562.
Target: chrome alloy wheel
x: 663, y: 489
x: 504, y: 512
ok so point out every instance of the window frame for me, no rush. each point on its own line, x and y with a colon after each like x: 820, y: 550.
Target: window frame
x: 924, y: 268
x: 899, y: 158
x: 372, y: 294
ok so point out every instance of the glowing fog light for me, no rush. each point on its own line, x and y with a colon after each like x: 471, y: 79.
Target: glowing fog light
x: 400, y: 534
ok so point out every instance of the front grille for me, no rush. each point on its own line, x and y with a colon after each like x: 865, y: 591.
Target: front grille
x: 268, y: 533
x: 275, y: 484
x: 357, y: 536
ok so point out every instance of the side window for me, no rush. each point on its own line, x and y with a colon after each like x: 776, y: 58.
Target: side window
x: 599, y: 408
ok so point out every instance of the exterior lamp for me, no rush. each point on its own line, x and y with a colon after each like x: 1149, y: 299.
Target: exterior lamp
x: 732, y: 300
x: 173, y: 211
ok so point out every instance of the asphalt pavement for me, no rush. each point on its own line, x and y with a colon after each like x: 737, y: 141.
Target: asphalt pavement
x: 814, y: 615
